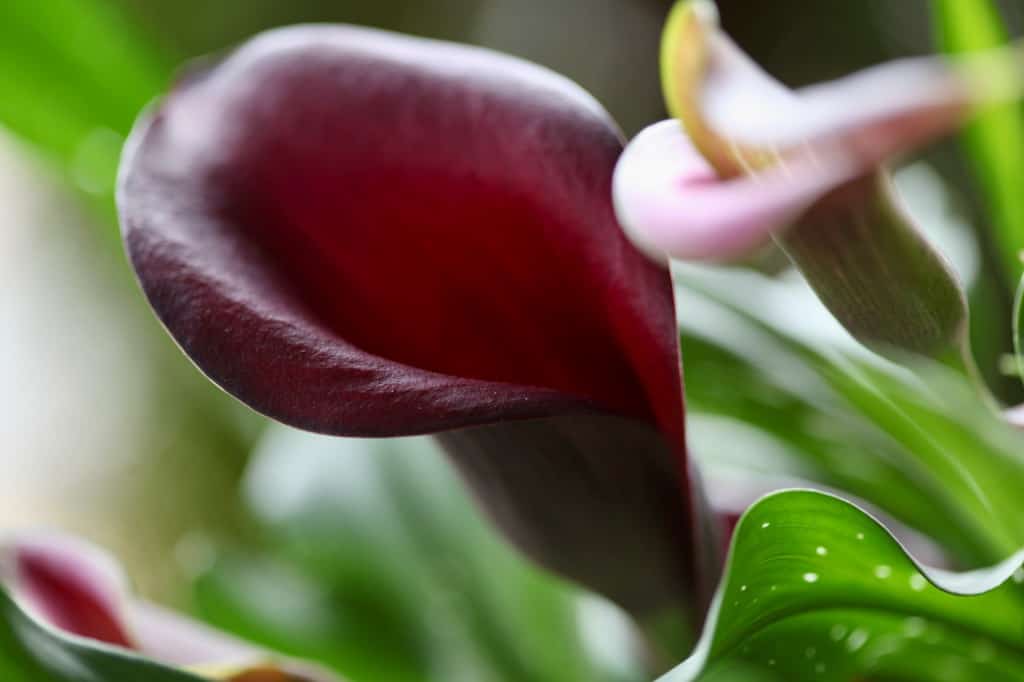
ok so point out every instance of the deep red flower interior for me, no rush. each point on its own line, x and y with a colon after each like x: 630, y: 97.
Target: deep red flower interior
x: 435, y: 264
x: 65, y: 593
x: 440, y: 207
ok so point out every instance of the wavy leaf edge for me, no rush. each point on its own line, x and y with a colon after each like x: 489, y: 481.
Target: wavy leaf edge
x: 966, y: 584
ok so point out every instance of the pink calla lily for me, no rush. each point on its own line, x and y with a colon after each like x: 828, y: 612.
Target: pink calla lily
x: 363, y: 234
x: 79, y: 589
x: 747, y: 156
x: 747, y: 160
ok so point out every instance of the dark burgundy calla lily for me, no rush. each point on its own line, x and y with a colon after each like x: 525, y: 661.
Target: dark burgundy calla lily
x: 363, y: 234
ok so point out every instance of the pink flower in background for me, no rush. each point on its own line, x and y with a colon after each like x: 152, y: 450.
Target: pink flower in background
x: 79, y: 589
x: 746, y: 157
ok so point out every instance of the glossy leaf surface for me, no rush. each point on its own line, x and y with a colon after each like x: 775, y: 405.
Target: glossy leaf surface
x: 816, y: 589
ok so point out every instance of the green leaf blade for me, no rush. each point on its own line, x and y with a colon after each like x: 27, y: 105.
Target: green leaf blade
x: 1018, y: 328
x: 920, y: 446
x: 995, y: 141
x: 74, y: 74
x: 814, y: 586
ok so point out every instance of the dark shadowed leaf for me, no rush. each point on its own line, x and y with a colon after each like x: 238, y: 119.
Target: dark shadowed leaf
x: 374, y: 545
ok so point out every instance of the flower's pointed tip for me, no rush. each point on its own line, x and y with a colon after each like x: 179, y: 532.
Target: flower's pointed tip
x: 681, y: 44
x: 706, y: 11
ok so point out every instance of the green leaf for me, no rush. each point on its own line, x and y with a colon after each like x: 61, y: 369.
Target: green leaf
x: 760, y: 426
x: 921, y: 447
x: 74, y: 74
x: 266, y: 600
x: 375, y: 545
x: 816, y: 589
x: 971, y: 453
x: 995, y: 141
x: 32, y: 652
x: 1018, y: 328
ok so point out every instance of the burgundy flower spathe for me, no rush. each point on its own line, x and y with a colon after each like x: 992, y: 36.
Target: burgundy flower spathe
x: 369, y: 235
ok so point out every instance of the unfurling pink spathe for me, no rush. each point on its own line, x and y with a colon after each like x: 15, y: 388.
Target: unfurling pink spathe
x: 671, y: 201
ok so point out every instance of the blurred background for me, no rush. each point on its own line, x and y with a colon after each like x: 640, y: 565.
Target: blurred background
x: 107, y: 430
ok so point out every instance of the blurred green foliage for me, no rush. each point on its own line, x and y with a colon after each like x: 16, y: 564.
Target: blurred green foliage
x: 995, y: 142
x: 373, y: 561
x: 74, y: 74
x: 921, y: 447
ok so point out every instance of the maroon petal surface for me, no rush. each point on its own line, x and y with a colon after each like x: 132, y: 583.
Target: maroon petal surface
x: 364, y: 234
